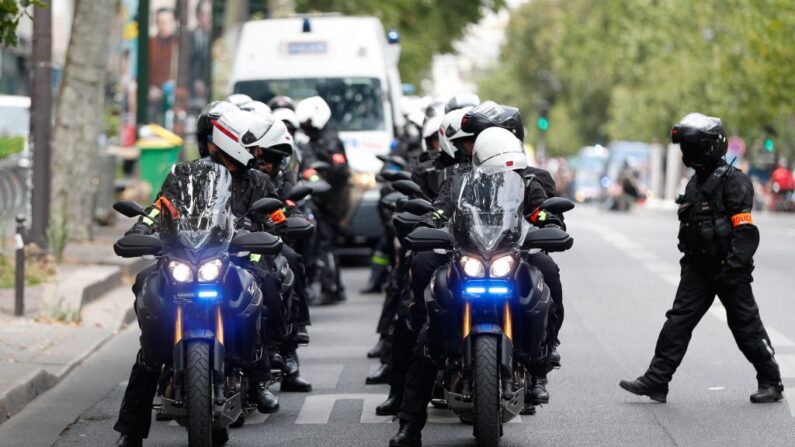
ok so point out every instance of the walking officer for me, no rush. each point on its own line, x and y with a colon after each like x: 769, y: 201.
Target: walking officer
x: 718, y: 238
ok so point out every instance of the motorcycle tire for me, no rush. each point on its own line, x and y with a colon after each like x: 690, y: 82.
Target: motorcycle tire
x: 198, y: 394
x: 486, y: 392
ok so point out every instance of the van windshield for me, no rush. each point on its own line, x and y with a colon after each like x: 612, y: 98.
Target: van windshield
x: 356, y: 103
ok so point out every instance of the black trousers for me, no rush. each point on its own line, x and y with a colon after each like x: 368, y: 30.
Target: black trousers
x: 551, y: 273
x: 696, y: 292
x: 300, y: 302
x: 403, y: 342
x: 418, y: 389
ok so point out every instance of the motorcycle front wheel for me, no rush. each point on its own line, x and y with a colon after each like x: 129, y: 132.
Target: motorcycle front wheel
x: 486, y: 392
x: 198, y: 394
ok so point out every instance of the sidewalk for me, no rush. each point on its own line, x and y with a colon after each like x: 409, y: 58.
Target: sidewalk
x: 65, y: 320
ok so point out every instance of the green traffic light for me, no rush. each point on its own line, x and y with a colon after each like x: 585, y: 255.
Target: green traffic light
x: 770, y: 145
x: 543, y: 123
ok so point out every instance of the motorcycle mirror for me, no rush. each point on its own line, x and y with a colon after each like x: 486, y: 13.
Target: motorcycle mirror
x: 137, y: 245
x: 557, y: 205
x: 424, y: 239
x: 417, y: 206
x: 393, y: 176
x: 265, y: 205
x: 548, y: 239
x: 408, y: 188
x: 129, y: 208
x: 261, y: 243
x: 298, y: 228
x: 399, y: 161
x: 297, y: 193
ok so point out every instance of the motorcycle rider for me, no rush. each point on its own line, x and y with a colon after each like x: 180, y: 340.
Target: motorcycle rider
x: 324, y: 145
x: 493, y: 148
x: 718, y: 238
x: 461, y: 100
x: 273, y: 146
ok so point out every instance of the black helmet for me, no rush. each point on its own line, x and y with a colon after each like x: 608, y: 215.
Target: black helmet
x: 491, y: 114
x: 281, y: 102
x: 460, y: 101
x: 702, y: 140
x: 204, y: 125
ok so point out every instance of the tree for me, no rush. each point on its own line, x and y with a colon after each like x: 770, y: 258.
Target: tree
x: 427, y: 27
x: 78, y: 117
x: 11, y: 11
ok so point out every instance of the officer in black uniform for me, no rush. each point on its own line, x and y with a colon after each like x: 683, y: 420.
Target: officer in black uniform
x: 718, y: 238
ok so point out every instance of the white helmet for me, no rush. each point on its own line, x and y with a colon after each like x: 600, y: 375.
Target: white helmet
x: 450, y: 131
x: 228, y: 131
x: 315, y: 111
x: 257, y: 107
x: 498, y: 149
x: 287, y: 116
x: 270, y: 134
x: 461, y: 100
x: 429, y: 130
x: 239, y: 99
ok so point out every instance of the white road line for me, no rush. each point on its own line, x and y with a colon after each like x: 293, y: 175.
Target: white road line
x: 317, y: 409
x: 440, y: 416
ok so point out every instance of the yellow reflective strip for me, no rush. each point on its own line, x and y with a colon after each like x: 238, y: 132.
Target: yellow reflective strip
x: 254, y: 258
x: 379, y: 260
x: 148, y: 221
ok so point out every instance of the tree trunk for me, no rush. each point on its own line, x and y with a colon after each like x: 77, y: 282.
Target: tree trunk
x: 79, y: 117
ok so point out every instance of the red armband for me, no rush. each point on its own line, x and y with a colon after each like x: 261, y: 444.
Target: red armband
x: 338, y: 158
x: 742, y: 219
x: 278, y: 216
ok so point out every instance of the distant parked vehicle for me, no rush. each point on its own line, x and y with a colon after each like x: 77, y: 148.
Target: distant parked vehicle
x: 591, y: 162
x: 625, y: 156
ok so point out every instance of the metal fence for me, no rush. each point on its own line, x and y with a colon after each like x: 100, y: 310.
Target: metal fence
x: 13, y: 186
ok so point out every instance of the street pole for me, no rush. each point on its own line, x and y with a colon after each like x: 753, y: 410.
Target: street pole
x: 142, y: 64
x: 19, y: 280
x: 41, y: 122
x: 182, y: 94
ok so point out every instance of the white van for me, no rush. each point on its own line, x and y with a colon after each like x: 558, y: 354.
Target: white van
x: 350, y: 62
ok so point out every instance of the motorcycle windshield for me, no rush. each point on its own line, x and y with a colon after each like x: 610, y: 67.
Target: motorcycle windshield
x: 196, y: 205
x: 488, y: 209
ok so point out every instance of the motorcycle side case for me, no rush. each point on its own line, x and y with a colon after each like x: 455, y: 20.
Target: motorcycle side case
x: 242, y: 314
x: 535, y: 303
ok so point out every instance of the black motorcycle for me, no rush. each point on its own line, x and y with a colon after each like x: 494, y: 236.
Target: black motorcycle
x: 488, y: 308
x: 202, y: 300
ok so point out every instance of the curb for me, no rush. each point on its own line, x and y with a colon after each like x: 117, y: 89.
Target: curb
x: 41, y: 381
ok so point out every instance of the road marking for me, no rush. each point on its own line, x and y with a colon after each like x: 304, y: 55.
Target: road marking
x: 441, y: 416
x: 317, y: 409
x: 716, y: 388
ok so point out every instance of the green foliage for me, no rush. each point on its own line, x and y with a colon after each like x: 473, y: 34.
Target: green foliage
x: 36, y: 271
x: 10, y: 13
x: 629, y: 69
x: 11, y: 145
x: 427, y: 27
x: 58, y: 235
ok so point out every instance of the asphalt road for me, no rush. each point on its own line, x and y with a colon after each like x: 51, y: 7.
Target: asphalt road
x: 619, y: 279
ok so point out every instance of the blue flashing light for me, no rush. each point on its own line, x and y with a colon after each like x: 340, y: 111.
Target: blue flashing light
x: 307, y: 25
x: 487, y: 289
x: 207, y: 294
x: 393, y: 36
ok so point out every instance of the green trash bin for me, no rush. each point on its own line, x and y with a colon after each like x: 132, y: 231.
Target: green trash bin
x: 159, y: 152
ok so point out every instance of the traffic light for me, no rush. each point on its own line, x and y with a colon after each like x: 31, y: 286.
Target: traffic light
x: 770, y: 145
x: 543, y: 120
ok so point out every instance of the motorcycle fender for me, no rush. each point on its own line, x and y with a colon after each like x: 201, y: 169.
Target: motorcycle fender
x: 506, y: 347
x: 219, y: 354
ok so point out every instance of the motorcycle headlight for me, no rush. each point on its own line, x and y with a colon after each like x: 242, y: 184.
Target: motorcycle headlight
x: 501, y: 267
x: 209, y: 271
x: 473, y: 267
x: 180, y: 272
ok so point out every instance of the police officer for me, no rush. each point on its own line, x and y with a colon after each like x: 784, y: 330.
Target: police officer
x: 273, y: 145
x: 247, y: 187
x: 324, y: 145
x: 718, y: 238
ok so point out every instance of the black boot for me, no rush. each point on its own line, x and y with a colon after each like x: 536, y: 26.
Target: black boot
x: 381, y: 375
x: 554, y: 358
x: 296, y: 384
x: 126, y: 441
x: 538, y: 390
x: 378, y: 349
x: 390, y: 406
x: 409, y: 435
x: 767, y: 394
x: 276, y: 360
x: 290, y: 363
x: 642, y: 387
x: 266, y: 402
x: 301, y: 335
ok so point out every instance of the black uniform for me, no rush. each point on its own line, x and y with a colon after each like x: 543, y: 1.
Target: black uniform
x: 718, y: 239
x: 330, y: 207
x: 248, y: 186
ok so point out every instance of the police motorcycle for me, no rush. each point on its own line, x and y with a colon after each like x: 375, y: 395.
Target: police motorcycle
x: 202, y: 301
x: 488, y: 308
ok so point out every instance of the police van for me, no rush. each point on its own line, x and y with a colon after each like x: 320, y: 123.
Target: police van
x: 352, y: 63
